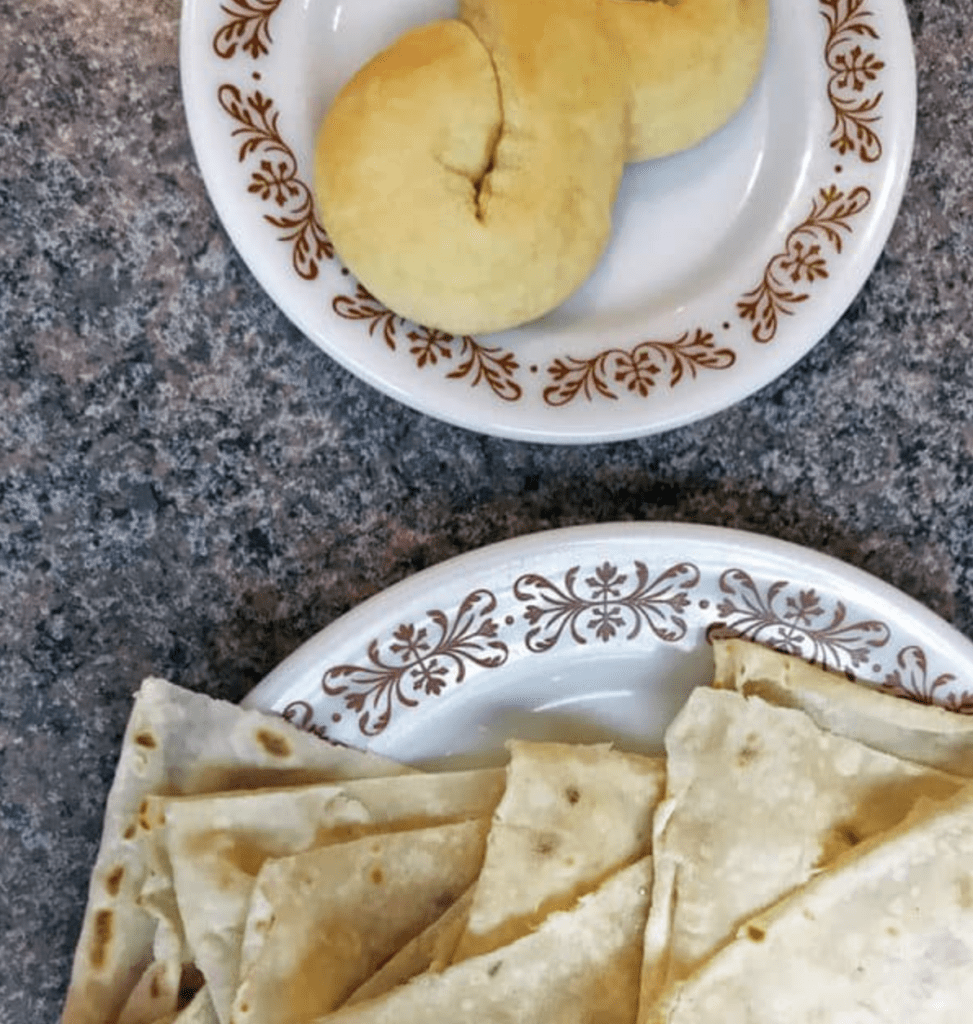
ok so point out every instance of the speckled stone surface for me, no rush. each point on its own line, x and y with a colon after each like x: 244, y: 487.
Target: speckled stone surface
x: 189, y: 488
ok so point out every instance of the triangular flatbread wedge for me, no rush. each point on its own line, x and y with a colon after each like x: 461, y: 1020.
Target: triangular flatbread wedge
x: 579, y: 967
x: 323, y: 921
x: 885, y: 935
x: 176, y: 742
x: 758, y: 800
x: 925, y: 733
x: 570, y: 816
x: 431, y: 950
x: 217, y: 844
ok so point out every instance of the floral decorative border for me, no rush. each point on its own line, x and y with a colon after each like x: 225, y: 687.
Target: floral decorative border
x: 638, y: 369
x: 416, y: 662
x: 802, y: 261
x: 247, y: 28
x: 854, y: 69
x: 275, y: 179
x: 853, y: 94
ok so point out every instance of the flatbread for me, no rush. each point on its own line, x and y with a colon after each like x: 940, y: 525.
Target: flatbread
x: 176, y: 742
x: 758, y: 800
x: 570, y: 816
x: 918, y: 732
x: 216, y: 845
x: 579, y: 967
x: 886, y: 936
x: 430, y: 950
x: 323, y: 921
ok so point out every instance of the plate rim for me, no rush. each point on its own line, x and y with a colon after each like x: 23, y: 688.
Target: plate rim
x: 744, y: 547
x: 580, y: 426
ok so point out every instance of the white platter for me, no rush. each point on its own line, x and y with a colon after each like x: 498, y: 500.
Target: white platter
x: 728, y: 262
x: 592, y: 633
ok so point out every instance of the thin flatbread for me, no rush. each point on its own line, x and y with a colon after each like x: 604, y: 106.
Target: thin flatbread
x: 323, y: 921
x: 177, y: 741
x: 886, y: 936
x: 430, y: 950
x: 216, y: 845
x: 570, y: 816
x: 758, y: 800
x: 580, y: 966
x: 925, y: 733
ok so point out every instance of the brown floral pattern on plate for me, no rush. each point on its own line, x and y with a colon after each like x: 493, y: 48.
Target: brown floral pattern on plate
x: 910, y: 679
x: 613, y: 604
x: 605, y: 603
x: 275, y: 178
x: 796, y: 620
x: 854, y: 68
x: 247, y: 28
x: 638, y: 372
x: 467, y: 358
x: 802, y: 261
x: 419, y: 660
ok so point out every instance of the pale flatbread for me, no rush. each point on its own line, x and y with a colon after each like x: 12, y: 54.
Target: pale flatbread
x: 176, y: 742
x: 758, y: 800
x: 918, y: 732
x: 884, y: 937
x: 216, y: 845
x: 579, y: 967
x: 431, y: 950
x: 323, y: 921
x: 570, y: 816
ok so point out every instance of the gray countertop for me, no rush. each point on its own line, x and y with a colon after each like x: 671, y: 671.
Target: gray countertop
x: 191, y: 489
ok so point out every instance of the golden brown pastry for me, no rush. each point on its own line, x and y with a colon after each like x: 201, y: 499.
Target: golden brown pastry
x: 467, y: 173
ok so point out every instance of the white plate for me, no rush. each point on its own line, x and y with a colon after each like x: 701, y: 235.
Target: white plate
x: 595, y: 632
x: 728, y: 262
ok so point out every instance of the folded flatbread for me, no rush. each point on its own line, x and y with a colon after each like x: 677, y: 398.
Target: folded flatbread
x: 570, y: 816
x: 430, y: 950
x: 883, y: 937
x: 177, y: 742
x: 323, y: 921
x: 216, y: 845
x: 758, y: 801
x: 925, y: 733
x: 579, y: 967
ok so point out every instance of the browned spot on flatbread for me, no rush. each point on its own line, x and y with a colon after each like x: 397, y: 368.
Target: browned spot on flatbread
x: 231, y: 849
x: 154, y: 990
x: 103, y: 928
x: 750, y: 751
x: 275, y: 744
x: 839, y: 840
x: 545, y: 844
x: 114, y: 881
x: 147, y: 740
x: 756, y: 934
x: 573, y: 794
x: 848, y: 834
x: 377, y: 875
x: 129, y: 833
x: 494, y: 968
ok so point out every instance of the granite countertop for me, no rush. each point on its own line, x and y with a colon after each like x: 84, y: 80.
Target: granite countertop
x: 190, y: 489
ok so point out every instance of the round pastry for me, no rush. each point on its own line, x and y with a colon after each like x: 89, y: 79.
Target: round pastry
x: 466, y: 174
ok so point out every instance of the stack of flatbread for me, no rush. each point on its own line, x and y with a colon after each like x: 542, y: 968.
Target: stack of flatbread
x: 804, y: 851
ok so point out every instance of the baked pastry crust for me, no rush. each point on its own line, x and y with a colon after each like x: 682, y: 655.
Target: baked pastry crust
x: 466, y: 174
